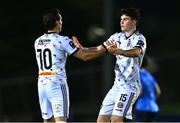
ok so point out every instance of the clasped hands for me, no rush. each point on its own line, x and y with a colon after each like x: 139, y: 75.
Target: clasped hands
x: 111, y: 46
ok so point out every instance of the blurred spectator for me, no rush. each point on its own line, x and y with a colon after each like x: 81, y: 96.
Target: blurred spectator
x: 146, y: 106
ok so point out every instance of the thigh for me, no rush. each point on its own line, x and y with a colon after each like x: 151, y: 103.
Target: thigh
x: 59, y: 98
x: 108, y: 103
x: 45, y: 105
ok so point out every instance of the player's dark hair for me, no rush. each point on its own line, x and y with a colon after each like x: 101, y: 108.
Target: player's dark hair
x: 50, y: 17
x: 131, y: 12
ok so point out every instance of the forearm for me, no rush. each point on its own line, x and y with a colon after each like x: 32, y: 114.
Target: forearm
x: 89, y: 53
x: 128, y: 53
x: 93, y: 52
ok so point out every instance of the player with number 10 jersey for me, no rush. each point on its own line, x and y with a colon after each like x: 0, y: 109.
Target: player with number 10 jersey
x: 52, y: 50
x: 51, y: 54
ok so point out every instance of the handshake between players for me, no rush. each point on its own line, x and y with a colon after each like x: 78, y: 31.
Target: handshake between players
x: 110, y: 46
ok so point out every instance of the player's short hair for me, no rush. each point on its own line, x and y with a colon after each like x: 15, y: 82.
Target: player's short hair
x: 131, y: 12
x: 50, y: 17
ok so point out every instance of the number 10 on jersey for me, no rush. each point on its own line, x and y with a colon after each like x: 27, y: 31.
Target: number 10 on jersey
x: 45, y: 58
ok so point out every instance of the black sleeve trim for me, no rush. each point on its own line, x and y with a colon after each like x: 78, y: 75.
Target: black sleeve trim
x: 74, y: 52
x: 105, y: 47
x: 138, y: 47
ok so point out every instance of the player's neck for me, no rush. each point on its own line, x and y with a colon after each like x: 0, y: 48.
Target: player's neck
x: 55, y: 30
x: 130, y: 32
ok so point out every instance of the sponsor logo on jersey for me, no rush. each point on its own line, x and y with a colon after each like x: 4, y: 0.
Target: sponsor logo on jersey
x: 43, y: 41
x: 47, y: 73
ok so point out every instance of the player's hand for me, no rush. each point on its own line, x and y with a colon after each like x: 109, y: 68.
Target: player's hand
x: 109, y: 42
x: 111, y: 48
x: 76, y: 42
x: 114, y: 50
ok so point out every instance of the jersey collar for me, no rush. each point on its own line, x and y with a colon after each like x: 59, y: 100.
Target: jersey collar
x: 130, y: 35
x: 50, y: 32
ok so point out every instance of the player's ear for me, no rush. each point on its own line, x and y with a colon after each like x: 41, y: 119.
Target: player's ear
x: 134, y: 22
x: 57, y: 22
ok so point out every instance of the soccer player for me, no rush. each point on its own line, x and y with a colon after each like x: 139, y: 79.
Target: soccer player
x: 146, y: 106
x: 131, y: 47
x: 52, y: 50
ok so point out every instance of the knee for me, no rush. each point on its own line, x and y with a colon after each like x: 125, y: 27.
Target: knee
x: 103, y: 119
x: 99, y: 120
x: 116, y: 119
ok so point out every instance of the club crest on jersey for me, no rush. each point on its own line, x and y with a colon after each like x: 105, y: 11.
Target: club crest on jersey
x: 120, y: 105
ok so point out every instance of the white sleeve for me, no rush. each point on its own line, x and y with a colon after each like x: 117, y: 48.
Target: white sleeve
x: 111, y: 38
x: 141, y: 42
x: 68, y: 45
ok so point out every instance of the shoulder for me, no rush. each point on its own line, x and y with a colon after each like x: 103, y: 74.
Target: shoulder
x: 38, y: 38
x: 66, y: 38
x: 140, y: 36
x: 63, y: 37
x: 143, y: 71
x: 117, y: 34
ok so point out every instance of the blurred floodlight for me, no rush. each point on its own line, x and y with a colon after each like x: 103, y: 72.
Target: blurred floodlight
x: 94, y: 33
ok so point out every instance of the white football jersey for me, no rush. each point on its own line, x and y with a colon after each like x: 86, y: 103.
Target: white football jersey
x: 127, y: 68
x: 51, y: 51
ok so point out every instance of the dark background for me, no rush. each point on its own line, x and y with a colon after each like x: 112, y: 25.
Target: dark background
x: 92, y: 21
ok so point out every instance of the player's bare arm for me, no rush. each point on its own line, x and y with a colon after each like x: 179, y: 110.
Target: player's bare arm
x: 88, y: 53
x: 135, y: 52
x: 157, y: 90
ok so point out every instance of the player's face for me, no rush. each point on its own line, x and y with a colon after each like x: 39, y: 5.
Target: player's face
x: 127, y: 23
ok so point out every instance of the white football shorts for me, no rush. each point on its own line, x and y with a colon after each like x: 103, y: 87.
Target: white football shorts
x: 53, y: 97
x: 119, y: 101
